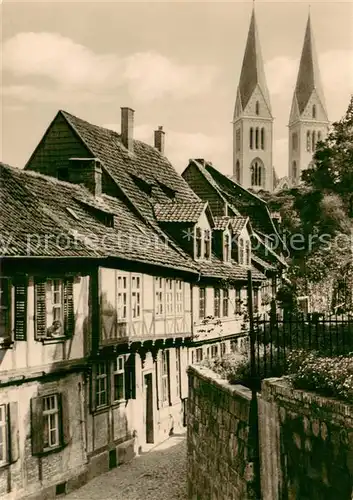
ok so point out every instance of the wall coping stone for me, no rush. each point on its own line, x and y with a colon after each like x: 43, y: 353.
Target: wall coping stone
x: 275, y: 389
x: 216, y: 380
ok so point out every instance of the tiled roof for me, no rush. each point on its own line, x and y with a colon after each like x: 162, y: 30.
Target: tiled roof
x: 238, y: 223
x: 216, y: 268
x: 60, y: 225
x: 221, y: 223
x: 145, y: 162
x: 179, y: 211
x: 262, y: 263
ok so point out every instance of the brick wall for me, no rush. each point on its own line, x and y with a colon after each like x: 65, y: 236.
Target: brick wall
x: 219, y: 465
x: 306, y: 444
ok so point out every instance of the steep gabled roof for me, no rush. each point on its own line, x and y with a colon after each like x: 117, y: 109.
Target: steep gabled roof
x: 309, y: 78
x: 252, y: 71
x: 62, y: 226
x: 124, y: 167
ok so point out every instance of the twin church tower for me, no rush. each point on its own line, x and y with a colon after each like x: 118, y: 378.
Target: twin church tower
x: 253, y: 120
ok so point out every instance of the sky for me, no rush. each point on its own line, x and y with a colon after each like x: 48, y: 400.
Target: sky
x: 177, y: 64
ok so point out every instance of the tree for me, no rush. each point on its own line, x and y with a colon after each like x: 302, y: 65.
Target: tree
x: 332, y: 169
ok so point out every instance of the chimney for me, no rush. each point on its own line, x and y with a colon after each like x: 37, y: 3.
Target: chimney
x: 159, y: 139
x: 127, y: 128
x: 86, y: 171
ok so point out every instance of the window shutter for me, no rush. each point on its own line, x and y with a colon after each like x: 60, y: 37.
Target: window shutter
x: 37, y: 425
x: 20, y: 309
x: 13, y: 432
x: 158, y: 389
x: 130, y: 377
x: 64, y: 418
x: 69, y: 313
x: 183, y: 374
x: 169, y: 384
x: 92, y: 390
x: 40, y: 310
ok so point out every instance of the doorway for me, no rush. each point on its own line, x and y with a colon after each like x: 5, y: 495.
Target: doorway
x: 148, y: 385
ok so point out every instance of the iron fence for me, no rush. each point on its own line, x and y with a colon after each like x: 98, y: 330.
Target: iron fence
x: 274, y: 338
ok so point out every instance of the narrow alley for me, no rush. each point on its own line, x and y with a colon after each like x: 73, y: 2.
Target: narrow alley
x: 158, y: 474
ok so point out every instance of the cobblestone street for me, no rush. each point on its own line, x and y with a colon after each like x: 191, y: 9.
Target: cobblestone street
x: 159, y: 474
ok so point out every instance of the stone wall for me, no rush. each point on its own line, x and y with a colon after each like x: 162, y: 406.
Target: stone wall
x: 219, y: 452
x: 306, y: 444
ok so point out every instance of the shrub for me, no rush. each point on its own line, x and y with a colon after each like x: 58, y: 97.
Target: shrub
x: 329, y: 376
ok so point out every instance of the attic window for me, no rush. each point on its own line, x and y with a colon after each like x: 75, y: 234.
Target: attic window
x: 63, y: 174
x: 73, y: 213
x: 167, y: 190
x: 142, y: 184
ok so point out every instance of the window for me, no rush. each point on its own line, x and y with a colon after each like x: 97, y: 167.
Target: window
x: 5, y: 301
x: 226, y: 247
x: 262, y: 138
x: 101, y: 395
x: 217, y: 302
x: 177, y: 372
x: 251, y: 144
x: 294, y: 170
x: 51, y: 429
x: 63, y: 174
x: 50, y: 422
x: 237, y: 171
x: 135, y: 297
x: 256, y: 300
x: 225, y: 301
x: 247, y: 253
x: 257, y: 108
x: 257, y: 173
x: 308, y: 141
x: 3, y: 435
x: 118, y: 379
x: 169, y: 295
x: 54, y: 308
x: 159, y: 294
x: 294, y: 141
x: 198, y: 243
x: 237, y: 140
x: 314, y: 111
x: 319, y: 137
x: 207, y: 237
x: 199, y: 355
x: 122, y: 298
x: 257, y: 138
x: 241, y: 251
x: 202, y: 303
x: 179, y: 302
x: 237, y: 301
x: 223, y: 348
x: 214, y: 351
x: 313, y: 141
x: 165, y: 376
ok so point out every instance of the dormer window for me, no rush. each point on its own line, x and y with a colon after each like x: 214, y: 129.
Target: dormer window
x: 226, y: 254
x: 241, y: 251
x: 247, y: 253
x: 198, y: 243
x: 207, y: 248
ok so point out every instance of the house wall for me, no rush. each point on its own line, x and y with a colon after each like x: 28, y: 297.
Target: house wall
x: 58, y: 145
x: 37, y: 476
x: 26, y: 355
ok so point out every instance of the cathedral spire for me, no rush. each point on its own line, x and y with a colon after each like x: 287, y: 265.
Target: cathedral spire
x: 252, y: 72
x: 309, y: 74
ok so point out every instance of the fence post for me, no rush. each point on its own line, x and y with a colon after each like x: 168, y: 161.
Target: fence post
x: 253, y: 418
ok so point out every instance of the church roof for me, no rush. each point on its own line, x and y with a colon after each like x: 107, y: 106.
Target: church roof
x: 252, y: 72
x: 309, y: 74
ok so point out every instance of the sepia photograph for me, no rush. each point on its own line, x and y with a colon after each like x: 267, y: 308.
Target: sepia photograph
x: 176, y: 250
